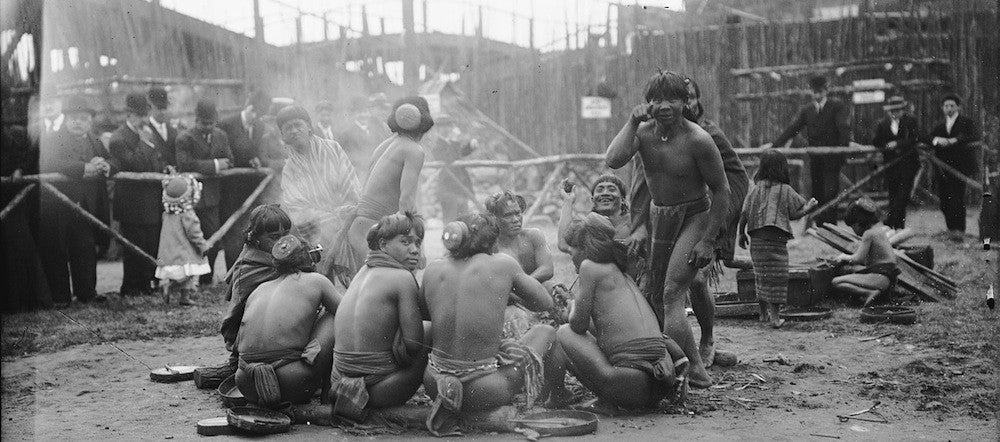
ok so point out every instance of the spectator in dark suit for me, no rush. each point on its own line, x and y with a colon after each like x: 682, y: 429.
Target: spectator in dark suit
x: 137, y: 203
x: 246, y: 132
x: 66, y: 238
x: 827, y: 122
x: 164, y: 133
x: 205, y: 149
x: 323, y: 127
x: 896, y: 136
x: 950, y: 141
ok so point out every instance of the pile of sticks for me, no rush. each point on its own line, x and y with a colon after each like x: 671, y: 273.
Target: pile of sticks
x: 926, y: 283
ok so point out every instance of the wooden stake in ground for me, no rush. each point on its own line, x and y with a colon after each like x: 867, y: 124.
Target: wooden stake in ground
x: 16, y: 200
x: 217, y: 236
x: 75, y: 206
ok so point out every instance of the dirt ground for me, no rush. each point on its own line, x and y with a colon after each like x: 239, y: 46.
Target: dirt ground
x: 933, y: 382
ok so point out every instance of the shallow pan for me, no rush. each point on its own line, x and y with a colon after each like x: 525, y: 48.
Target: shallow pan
x: 560, y: 422
x: 258, y: 420
x: 231, y: 394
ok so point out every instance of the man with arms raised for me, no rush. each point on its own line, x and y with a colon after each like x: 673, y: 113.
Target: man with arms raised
x: 612, y: 342
x: 286, y: 350
x: 680, y: 160
x: 471, y: 368
x: 380, y: 355
x: 395, y: 170
x: 608, y: 194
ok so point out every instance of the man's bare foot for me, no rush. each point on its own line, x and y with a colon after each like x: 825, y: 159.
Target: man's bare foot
x: 699, y: 378
x: 707, y: 352
x: 598, y: 406
x: 560, y: 398
x: 778, y: 323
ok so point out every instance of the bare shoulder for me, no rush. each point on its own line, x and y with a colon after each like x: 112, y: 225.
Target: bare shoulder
x: 503, y: 262
x: 400, y: 278
x: 596, y: 270
x: 313, y: 279
x: 535, y: 235
x: 699, y: 137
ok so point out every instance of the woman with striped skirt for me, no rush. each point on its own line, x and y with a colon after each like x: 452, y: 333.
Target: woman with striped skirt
x: 767, y: 213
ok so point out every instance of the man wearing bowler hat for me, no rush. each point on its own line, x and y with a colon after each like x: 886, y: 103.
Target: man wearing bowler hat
x: 67, y: 240
x: 896, y: 136
x: 827, y: 122
x: 205, y: 149
x: 164, y: 134
x: 137, y: 203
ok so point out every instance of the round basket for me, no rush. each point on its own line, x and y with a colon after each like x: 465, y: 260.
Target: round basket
x: 169, y: 373
x: 231, y: 394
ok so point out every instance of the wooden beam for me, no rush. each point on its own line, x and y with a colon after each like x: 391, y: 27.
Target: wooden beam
x: 16, y: 200
x: 217, y: 236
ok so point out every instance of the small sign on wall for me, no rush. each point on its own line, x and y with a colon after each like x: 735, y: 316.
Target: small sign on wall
x: 868, y: 97
x: 595, y: 108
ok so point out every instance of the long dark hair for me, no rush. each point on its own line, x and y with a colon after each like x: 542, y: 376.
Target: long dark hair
x: 773, y: 167
x: 695, y: 114
x: 595, y: 239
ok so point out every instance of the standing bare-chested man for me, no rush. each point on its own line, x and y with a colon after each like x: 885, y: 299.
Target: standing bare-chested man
x: 471, y: 367
x: 380, y: 354
x: 395, y: 170
x: 680, y: 160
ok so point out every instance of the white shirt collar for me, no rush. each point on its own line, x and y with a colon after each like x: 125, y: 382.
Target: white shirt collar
x: 949, y: 122
x: 819, y: 105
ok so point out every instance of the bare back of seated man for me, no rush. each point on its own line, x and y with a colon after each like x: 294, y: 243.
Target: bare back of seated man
x: 682, y: 166
x: 395, y: 170
x: 471, y: 367
x: 612, y: 343
x: 285, y: 346
x: 380, y: 354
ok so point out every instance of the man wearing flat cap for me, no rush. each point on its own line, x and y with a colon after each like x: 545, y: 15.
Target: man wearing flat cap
x: 951, y: 142
x: 164, y: 134
x: 205, y: 149
x: 137, y: 203
x: 67, y: 240
x: 896, y: 136
x: 827, y: 122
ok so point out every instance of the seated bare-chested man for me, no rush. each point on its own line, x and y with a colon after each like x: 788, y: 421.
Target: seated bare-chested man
x: 471, y: 367
x: 682, y: 166
x: 380, y: 355
x: 527, y: 246
x: 285, y: 342
x: 607, y: 197
x: 394, y: 173
x: 612, y: 343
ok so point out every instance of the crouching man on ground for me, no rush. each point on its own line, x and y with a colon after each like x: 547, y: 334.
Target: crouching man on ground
x: 380, y: 355
x: 285, y: 342
x: 471, y: 367
x: 612, y: 343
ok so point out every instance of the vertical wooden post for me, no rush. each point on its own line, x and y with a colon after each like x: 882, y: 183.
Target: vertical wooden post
x: 411, y: 69
x: 381, y: 24
x: 364, y: 20
x: 326, y: 28
x: 531, y: 32
x: 423, y: 14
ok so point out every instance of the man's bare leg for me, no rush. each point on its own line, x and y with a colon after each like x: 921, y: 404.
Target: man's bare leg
x: 675, y: 288
x: 703, y: 305
x: 623, y: 387
x: 499, y: 388
x: 868, y: 285
x: 400, y: 386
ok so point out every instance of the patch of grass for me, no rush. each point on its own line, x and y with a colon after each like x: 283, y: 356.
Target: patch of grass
x: 133, y: 318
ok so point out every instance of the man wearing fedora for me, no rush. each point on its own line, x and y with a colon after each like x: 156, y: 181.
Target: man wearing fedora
x: 827, y: 122
x: 951, y: 143
x: 137, y: 203
x: 896, y: 136
x: 205, y: 149
x: 67, y: 240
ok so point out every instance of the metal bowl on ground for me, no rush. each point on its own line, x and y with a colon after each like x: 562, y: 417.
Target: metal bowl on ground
x: 231, y: 394
x: 559, y: 422
x: 172, y: 373
x: 805, y: 313
x: 258, y: 420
